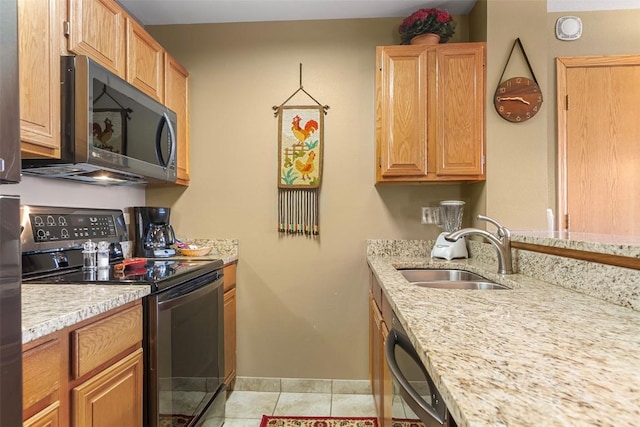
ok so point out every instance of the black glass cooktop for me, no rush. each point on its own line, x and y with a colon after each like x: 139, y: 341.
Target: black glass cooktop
x: 160, y: 273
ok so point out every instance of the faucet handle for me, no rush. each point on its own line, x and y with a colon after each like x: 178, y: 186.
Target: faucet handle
x: 502, y: 231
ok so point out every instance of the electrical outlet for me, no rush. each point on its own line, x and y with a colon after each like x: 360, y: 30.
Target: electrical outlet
x: 430, y: 215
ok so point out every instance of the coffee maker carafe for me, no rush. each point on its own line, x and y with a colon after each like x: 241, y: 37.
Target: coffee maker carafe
x: 153, y: 233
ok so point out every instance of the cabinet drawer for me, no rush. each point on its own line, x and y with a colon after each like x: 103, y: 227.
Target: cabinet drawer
x: 41, y: 371
x: 105, y: 339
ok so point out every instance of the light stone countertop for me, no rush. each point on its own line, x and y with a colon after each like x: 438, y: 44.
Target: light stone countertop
x: 628, y: 246
x: 224, y: 249
x: 50, y: 308
x: 535, y: 355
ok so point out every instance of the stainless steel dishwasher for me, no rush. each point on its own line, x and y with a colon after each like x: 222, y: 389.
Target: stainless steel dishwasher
x: 415, y: 386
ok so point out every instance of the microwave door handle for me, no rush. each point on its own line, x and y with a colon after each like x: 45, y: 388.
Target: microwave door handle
x: 396, y: 338
x: 172, y: 138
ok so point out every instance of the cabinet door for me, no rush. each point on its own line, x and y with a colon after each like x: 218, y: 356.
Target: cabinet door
x: 145, y: 61
x: 42, y: 372
x: 376, y: 357
x: 48, y: 417
x: 97, y: 29
x: 176, y: 95
x: 113, y: 397
x: 229, y: 336
x: 39, y: 62
x: 401, y: 113
x: 459, y: 113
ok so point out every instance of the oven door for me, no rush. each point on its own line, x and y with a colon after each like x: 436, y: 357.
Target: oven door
x: 185, y: 353
x: 413, y: 382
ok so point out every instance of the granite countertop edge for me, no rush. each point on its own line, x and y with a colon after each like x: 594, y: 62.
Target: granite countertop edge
x: 50, y: 308
x: 537, y: 354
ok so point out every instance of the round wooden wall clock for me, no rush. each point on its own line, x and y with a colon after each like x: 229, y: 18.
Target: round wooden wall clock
x: 517, y: 99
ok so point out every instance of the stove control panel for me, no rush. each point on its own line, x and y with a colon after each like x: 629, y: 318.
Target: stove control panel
x: 48, y: 228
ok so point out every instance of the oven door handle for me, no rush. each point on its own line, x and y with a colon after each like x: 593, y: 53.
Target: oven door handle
x: 190, y: 296
x: 396, y: 338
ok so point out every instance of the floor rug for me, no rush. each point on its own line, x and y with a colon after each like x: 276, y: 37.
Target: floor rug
x: 398, y: 422
x: 175, y: 420
x: 274, y: 421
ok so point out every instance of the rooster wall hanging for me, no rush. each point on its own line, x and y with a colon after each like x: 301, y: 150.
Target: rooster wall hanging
x: 300, y: 156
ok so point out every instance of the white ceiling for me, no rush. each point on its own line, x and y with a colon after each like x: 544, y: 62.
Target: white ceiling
x: 152, y: 12
x: 156, y: 12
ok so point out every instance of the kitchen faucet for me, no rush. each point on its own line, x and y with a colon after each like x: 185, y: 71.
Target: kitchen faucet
x: 502, y: 242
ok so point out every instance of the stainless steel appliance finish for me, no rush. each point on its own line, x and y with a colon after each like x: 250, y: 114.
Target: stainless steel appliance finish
x: 183, y: 315
x: 153, y: 234
x: 416, y: 387
x: 112, y: 133
x: 9, y: 101
x: 10, y: 314
x: 10, y: 289
x: 185, y: 352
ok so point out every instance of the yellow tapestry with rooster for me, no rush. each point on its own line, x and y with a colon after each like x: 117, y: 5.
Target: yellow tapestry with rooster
x: 300, y: 143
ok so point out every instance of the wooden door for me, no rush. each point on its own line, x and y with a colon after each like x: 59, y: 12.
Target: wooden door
x: 401, y: 116
x: 97, y: 29
x: 459, y: 111
x: 599, y: 154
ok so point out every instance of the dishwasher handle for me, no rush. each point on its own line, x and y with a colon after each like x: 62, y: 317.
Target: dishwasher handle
x: 423, y: 409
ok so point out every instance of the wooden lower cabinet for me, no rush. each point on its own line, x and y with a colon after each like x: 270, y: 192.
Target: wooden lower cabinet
x: 380, y: 376
x: 229, y: 325
x: 111, y: 398
x: 48, y: 417
x: 87, y: 375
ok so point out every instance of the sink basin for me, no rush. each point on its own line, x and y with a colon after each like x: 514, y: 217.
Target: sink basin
x: 449, y: 279
x: 460, y: 284
x: 423, y: 275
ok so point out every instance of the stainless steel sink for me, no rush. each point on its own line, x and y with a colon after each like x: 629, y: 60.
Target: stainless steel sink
x: 449, y: 279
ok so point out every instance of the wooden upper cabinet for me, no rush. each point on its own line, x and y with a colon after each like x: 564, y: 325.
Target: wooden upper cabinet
x: 430, y: 113
x: 459, y: 118
x: 145, y: 61
x: 39, y: 27
x: 401, y: 112
x: 176, y: 97
x: 97, y: 29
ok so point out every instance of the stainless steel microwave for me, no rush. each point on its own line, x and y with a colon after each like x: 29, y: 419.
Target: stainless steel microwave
x: 111, y: 132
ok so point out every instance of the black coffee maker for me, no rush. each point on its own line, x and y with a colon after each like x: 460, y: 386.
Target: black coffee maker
x: 153, y: 234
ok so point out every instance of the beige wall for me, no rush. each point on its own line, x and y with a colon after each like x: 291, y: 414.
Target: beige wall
x: 521, y: 158
x: 55, y: 192
x: 302, y: 303
x: 517, y: 154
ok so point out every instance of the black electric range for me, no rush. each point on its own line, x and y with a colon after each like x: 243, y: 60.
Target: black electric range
x: 183, y: 315
x: 52, y: 239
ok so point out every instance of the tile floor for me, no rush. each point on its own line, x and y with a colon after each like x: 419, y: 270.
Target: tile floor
x: 246, y: 408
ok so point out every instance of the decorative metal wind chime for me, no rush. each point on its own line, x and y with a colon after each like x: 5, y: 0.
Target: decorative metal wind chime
x: 300, y: 155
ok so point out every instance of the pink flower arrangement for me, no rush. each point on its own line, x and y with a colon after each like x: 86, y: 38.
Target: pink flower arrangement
x: 424, y: 21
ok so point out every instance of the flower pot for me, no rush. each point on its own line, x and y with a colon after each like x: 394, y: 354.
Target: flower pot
x: 428, y: 38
